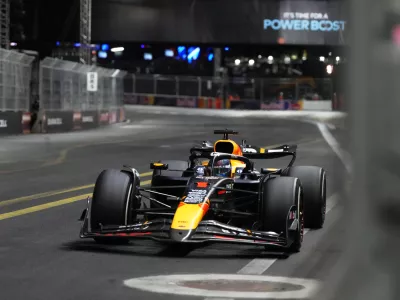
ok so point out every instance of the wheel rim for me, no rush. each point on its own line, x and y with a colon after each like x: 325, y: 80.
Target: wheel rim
x: 301, y: 214
x: 323, y: 197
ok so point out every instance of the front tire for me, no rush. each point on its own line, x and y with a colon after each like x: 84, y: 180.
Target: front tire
x: 313, y: 180
x: 114, y: 199
x: 279, y: 196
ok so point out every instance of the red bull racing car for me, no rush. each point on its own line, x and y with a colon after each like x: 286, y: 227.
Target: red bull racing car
x: 216, y: 195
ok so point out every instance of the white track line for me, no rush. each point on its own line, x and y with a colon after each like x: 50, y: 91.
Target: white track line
x: 333, y: 143
x: 219, y: 299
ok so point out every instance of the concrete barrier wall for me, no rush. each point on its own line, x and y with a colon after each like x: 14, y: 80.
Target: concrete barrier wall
x: 324, y: 105
x: 218, y: 103
x: 56, y: 121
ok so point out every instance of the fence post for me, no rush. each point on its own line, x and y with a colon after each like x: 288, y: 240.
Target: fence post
x: 134, y: 83
x: 177, y: 86
x: 154, y: 85
x: 3, y: 74
x: 199, y: 86
x: 261, y: 91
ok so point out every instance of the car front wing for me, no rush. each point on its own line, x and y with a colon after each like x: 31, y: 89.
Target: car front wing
x: 208, y: 231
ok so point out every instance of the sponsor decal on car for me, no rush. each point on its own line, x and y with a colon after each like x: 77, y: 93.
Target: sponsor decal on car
x: 195, y: 196
x: 249, y: 150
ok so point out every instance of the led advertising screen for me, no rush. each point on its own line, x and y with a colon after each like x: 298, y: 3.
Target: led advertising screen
x: 220, y: 21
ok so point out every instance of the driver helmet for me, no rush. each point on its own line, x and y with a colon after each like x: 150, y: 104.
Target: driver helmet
x: 222, y: 168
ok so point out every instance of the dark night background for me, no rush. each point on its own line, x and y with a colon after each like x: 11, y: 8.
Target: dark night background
x: 38, y: 24
x: 43, y: 22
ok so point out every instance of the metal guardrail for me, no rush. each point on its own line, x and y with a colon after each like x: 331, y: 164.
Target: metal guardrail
x: 240, y: 88
x: 64, y: 86
x: 15, y: 79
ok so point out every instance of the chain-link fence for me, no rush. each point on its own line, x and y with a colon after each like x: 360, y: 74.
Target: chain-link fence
x: 64, y: 86
x: 241, y: 89
x: 15, y: 78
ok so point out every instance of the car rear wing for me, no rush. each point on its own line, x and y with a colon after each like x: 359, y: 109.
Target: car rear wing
x: 278, y: 152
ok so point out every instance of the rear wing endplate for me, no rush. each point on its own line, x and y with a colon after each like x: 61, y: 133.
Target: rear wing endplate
x: 278, y: 152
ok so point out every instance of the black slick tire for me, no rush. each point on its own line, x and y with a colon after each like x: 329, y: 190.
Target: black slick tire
x: 313, y: 181
x: 114, y: 199
x: 280, y: 195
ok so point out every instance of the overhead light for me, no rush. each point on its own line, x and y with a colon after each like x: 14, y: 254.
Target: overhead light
x: 194, y: 54
x: 169, y: 53
x: 304, y: 57
x: 329, y: 69
x: 117, y: 49
x: 237, y: 62
x: 321, y: 58
x: 102, y: 54
x: 251, y: 62
x: 147, y: 56
x: 270, y: 57
x: 337, y: 58
x: 287, y: 59
x: 259, y: 56
x: 116, y: 72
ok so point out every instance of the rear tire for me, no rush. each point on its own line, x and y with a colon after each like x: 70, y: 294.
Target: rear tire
x: 114, y: 199
x: 313, y: 181
x: 280, y: 194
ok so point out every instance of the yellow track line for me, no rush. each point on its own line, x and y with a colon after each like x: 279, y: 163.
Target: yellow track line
x: 43, y: 206
x: 48, y: 205
x: 54, y: 193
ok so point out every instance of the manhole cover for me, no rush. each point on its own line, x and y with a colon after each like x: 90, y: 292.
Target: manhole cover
x: 227, y: 286
x: 241, y: 285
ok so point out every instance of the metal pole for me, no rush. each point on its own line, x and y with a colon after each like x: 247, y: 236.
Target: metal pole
x: 5, y: 24
x: 369, y: 269
x: 85, y: 31
x: 217, y: 62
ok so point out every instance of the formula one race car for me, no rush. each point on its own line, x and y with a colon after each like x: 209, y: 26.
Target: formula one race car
x: 216, y: 196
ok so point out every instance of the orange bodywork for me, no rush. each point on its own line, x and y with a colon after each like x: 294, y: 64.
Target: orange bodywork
x: 231, y: 147
x: 227, y: 145
x: 188, y: 216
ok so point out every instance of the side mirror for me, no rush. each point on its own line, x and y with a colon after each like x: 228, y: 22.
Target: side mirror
x: 158, y: 166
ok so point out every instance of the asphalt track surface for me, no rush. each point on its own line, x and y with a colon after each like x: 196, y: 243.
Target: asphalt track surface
x: 44, y: 180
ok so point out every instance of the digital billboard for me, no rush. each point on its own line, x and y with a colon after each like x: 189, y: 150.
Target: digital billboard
x: 220, y: 21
